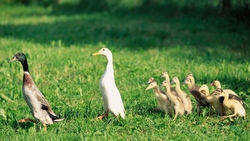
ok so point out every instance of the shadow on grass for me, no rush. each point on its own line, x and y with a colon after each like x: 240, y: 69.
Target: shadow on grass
x: 135, y: 29
x: 144, y: 109
x: 24, y: 126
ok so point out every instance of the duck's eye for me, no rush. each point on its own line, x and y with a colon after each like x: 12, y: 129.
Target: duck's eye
x: 103, y: 49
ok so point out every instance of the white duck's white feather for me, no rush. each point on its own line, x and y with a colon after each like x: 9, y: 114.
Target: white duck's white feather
x: 111, y: 95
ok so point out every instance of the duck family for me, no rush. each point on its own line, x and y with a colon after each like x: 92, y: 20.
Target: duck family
x: 174, y: 101
x: 221, y: 101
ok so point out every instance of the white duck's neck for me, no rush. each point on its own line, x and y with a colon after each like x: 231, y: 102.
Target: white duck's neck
x: 109, y: 67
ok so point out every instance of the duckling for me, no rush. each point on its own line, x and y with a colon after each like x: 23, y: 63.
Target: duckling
x: 217, y: 85
x: 166, y: 76
x: 162, y: 99
x: 150, y: 80
x: 192, y: 81
x: 184, y: 97
x: 232, y: 104
x: 178, y: 105
x: 213, y: 100
x: 231, y: 96
x: 39, y: 107
x: 111, y: 96
x: 199, y: 97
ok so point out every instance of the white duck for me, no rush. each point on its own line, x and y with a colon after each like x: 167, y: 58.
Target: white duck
x: 111, y: 96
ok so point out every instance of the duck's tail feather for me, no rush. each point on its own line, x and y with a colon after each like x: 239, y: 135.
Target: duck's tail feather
x: 55, y: 118
x: 122, y: 114
x: 58, y: 119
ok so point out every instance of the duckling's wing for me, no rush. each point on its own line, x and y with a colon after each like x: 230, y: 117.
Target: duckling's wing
x: 199, y: 98
x: 232, y: 96
x: 173, y: 91
x: 221, y: 99
x: 196, y: 94
x: 163, y: 92
x: 179, y: 99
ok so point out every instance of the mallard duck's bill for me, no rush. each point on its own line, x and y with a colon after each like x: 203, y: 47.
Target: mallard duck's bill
x: 13, y: 59
x: 97, y: 53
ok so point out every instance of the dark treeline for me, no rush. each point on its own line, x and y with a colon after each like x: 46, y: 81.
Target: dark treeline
x: 238, y: 9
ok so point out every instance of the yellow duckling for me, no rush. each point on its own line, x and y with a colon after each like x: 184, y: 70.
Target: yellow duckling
x: 163, y: 101
x: 213, y: 100
x: 217, y: 85
x: 184, y: 97
x: 232, y: 104
x: 178, y: 105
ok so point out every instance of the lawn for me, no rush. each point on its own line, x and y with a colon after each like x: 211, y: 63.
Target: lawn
x: 59, y: 43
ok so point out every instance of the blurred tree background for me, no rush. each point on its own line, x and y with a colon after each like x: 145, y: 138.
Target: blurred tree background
x: 238, y: 10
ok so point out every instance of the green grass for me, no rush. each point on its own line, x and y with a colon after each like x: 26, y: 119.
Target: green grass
x: 59, y: 47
